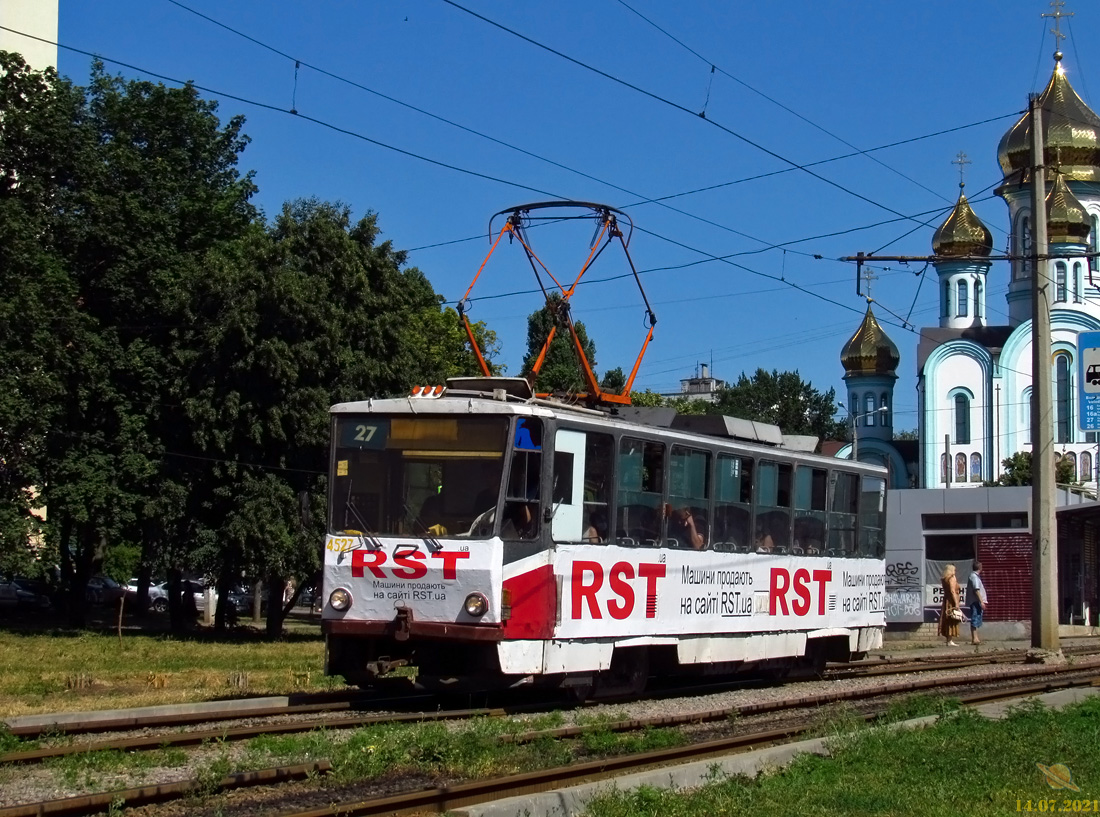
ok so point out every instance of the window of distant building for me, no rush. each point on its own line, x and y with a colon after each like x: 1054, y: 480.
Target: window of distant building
x: 1077, y: 282
x: 1060, y: 282
x: 962, y: 420
x: 963, y: 299
x: 1094, y: 242
x: 977, y: 299
x: 869, y: 409
x: 1063, y: 400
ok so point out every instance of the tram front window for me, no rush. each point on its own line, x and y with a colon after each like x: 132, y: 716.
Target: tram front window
x: 416, y: 476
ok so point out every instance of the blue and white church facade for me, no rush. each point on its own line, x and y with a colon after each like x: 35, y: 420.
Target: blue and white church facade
x: 974, y: 376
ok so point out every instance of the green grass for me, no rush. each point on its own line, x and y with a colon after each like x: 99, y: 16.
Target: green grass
x: 963, y: 765
x: 66, y: 670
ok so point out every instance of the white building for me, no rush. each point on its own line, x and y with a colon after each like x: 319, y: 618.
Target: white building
x: 35, y: 17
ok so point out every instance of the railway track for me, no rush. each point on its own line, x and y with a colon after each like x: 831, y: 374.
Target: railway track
x: 229, y: 734
x: 453, y: 796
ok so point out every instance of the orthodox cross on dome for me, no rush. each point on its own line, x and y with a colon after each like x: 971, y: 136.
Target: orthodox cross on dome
x: 962, y: 161
x: 1057, y: 14
x: 869, y: 276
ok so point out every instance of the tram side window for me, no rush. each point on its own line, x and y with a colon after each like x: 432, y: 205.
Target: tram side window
x: 521, y: 500
x: 842, y: 515
x: 872, y: 518
x: 689, y: 494
x: 638, y: 518
x: 598, y: 457
x: 773, y: 507
x: 732, y: 503
x: 810, y: 510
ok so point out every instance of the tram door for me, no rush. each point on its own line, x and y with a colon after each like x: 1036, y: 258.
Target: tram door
x: 568, y: 485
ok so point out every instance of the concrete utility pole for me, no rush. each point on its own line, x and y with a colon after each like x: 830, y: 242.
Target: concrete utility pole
x: 1044, y: 596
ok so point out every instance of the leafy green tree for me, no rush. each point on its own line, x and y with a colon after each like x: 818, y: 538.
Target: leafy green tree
x: 1016, y: 470
x: 614, y: 381
x: 646, y: 399
x: 124, y: 186
x: 561, y: 370
x: 307, y: 312
x: 909, y: 434
x: 782, y: 399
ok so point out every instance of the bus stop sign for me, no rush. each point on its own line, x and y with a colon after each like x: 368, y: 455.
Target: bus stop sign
x: 1088, y: 378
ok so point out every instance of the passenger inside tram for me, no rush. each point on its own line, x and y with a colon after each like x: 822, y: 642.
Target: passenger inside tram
x: 682, y: 528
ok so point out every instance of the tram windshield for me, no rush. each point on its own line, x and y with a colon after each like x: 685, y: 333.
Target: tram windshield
x: 416, y: 476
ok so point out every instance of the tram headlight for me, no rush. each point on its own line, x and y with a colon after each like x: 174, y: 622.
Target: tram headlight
x: 339, y: 599
x: 476, y: 605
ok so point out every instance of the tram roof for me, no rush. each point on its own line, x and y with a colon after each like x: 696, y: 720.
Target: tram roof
x: 512, y: 396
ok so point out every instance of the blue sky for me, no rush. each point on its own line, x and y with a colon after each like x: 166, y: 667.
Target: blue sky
x: 793, y: 82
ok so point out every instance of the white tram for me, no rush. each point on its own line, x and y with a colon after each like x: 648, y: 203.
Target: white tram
x: 490, y: 538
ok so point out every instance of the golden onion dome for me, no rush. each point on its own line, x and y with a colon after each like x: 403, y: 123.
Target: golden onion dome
x: 1067, y: 221
x: 870, y: 351
x: 963, y: 233
x: 1071, y: 135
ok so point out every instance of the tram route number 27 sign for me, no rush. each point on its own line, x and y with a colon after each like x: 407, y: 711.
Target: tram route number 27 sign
x: 1088, y: 379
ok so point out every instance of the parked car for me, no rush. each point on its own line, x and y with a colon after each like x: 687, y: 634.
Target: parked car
x: 158, y: 594
x: 32, y: 593
x: 9, y: 596
x: 103, y: 590
x: 241, y: 599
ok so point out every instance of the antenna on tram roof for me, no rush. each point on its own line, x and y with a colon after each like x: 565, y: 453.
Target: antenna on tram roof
x: 559, y: 295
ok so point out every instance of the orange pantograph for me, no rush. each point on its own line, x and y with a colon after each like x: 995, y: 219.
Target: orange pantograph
x: 607, y: 231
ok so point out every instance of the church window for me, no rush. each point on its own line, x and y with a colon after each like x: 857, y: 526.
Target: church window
x: 943, y: 468
x: 1060, y: 282
x: 1025, y: 247
x: 960, y: 468
x: 962, y: 422
x: 963, y: 305
x: 1072, y: 458
x: 1094, y: 242
x: 1077, y: 282
x: 945, y: 307
x: 1025, y: 410
x: 1063, y: 401
x: 869, y: 409
x: 977, y: 299
x: 975, y: 467
x: 1086, y: 466
x: 885, y: 409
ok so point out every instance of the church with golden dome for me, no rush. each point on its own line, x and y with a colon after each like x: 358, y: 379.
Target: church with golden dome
x: 974, y: 375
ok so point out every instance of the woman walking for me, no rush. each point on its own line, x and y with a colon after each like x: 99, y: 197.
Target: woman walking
x: 949, y: 608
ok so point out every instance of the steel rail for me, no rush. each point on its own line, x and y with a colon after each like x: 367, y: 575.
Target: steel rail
x: 152, y: 742
x: 163, y: 792
x: 446, y: 798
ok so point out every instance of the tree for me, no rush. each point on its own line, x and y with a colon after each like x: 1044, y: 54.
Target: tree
x: 123, y: 186
x: 561, y: 370
x: 1016, y: 470
x: 909, y: 434
x: 614, y: 381
x: 782, y: 399
x: 307, y: 312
